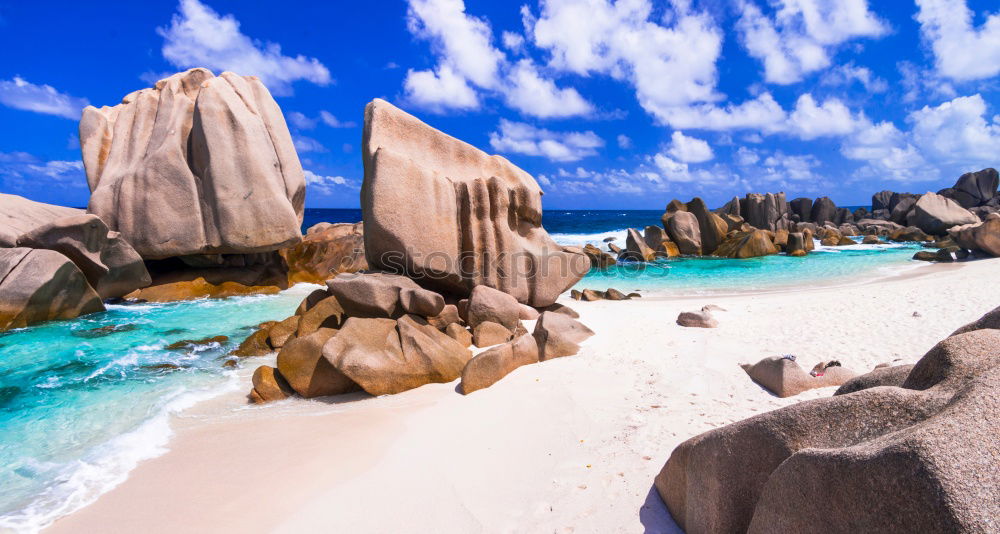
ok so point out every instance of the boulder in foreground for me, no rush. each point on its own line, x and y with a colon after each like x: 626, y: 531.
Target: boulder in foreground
x: 920, y: 457
x: 445, y: 211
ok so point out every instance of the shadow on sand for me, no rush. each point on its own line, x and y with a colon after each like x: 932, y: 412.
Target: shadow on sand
x: 655, y: 517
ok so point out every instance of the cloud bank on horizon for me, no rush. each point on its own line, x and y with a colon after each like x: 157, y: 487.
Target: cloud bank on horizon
x: 608, y: 103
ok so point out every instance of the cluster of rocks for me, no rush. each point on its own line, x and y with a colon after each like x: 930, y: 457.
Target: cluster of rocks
x: 900, y: 449
x: 469, y: 275
x: 764, y: 224
x: 384, y: 334
x: 60, y: 263
x: 196, y: 191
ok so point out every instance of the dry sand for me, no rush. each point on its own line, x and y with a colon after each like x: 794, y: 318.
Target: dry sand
x: 570, y: 445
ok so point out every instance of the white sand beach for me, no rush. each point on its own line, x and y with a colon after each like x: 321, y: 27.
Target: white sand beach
x: 570, y: 445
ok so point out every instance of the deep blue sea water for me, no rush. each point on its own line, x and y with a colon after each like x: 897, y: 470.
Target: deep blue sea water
x: 81, y: 406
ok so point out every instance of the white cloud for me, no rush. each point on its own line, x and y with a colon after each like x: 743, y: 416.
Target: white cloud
x: 672, y: 171
x: 19, y: 93
x: 23, y: 172
x: 888, y: 154
x: 200, y: 37
x: 761, y: 113
x: 961, y: 52
x: 468, y: 61
x: 539, y: 97
x: 307, y: 144
x: 689, y: 149
x: 513, y: 42
x: 521, y: 138
x: 463, y: 42
x: 958, y: 131
x: 620, y: 40
x: 746, y: 156
x: 799, y: 37
x: 301, y: 121
x: 848, y: 74
x: 624, y: 142
x: 439, y: 91
x: 327, y: 184
x: 810, y: 120
x: 331, y: 121
x: 957, y: 134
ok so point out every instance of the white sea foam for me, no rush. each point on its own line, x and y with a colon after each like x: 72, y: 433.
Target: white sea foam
x: 596, y: 239
x: 107, y: 465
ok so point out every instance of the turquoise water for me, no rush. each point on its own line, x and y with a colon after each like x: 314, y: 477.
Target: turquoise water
x: 824, y: 265
x: 80, y: 406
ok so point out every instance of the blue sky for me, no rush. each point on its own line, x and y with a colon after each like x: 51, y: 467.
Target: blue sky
x: 609, y: 104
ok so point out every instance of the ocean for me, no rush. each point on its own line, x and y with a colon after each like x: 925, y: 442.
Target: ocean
x: 83, y: 401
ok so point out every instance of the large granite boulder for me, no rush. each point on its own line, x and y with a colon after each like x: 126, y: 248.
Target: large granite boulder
x: 383, y: 295
x: 984, y: 236
x: 803, y: 208
x: 443, y: 210
x: 197, y: 164
x: 920, y: 457
x: 40, y: 285
x: 598, y: 258
x: 19, y: 215
x: 935, y: 214
x: 823, y: 211
x: 636, y: 248
x: 385, y: 356
x: 975, y: 188
x: 902, y: 207
x: 880, y: 200
x: 491, y: 305
x: 111, y: 265
x: 711, y: 227
x: 784, y: 377
x: 302, y: 364
x: 684, y: 230
x: 326, y: 251
x: 764, y: 211
x: 747, y: 245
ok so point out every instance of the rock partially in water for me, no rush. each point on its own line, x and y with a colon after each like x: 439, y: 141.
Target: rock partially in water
x: 194, y: 343
x: 39, y: 285
x: 102, y: 331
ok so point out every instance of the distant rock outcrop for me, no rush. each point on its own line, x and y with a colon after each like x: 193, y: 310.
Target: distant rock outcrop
x: 935, y: 214
x: 196, y: 165
x: 325, y: 251
x: 446, y: 212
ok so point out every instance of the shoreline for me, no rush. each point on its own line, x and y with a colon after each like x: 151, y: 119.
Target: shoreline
x: 552, y: 445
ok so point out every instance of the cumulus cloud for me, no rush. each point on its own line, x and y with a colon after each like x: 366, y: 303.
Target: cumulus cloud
x: 849, y: 73
x: 961, y: 51
x: 440, y: 90
x: 958, y: 131
x: 955, y: 134
x: 468, y: 62
x: 539, y: 97
x: 19, y: 93
x: 521, y: 138
x: 624, y: 142
x: 200, y: 37
x: 810, y: 120
x: 621, y: 40
x: 307, y: 144
x: 689, y: 149
x: 302, y: 121
x: 800, y: 35
x: 327, y: 185
x: 23, y: 172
